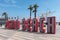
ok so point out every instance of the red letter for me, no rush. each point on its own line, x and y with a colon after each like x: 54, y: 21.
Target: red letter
x: 51, y: 27
x: 35, y: 25
x: 41, y: 24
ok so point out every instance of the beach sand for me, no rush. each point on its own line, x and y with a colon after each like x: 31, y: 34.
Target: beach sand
x: 6, y: 34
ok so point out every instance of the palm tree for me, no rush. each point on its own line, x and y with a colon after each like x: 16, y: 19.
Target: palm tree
x: 35, y: 9
x: 30, y: 8
x: 6, y: 16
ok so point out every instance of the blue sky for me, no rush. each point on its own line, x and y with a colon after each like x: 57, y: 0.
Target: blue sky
x: 20, y: 7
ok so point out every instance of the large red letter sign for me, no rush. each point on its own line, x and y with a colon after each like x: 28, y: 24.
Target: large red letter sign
x: 41, y: 24
x: 51, y: 27
x: 35, y: 25
x: 30, y: 24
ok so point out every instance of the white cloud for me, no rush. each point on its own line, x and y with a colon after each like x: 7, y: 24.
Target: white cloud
x: 7, y: 1
x: 14, y: 1
x: 6, y: 5
x: 10, y: 1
